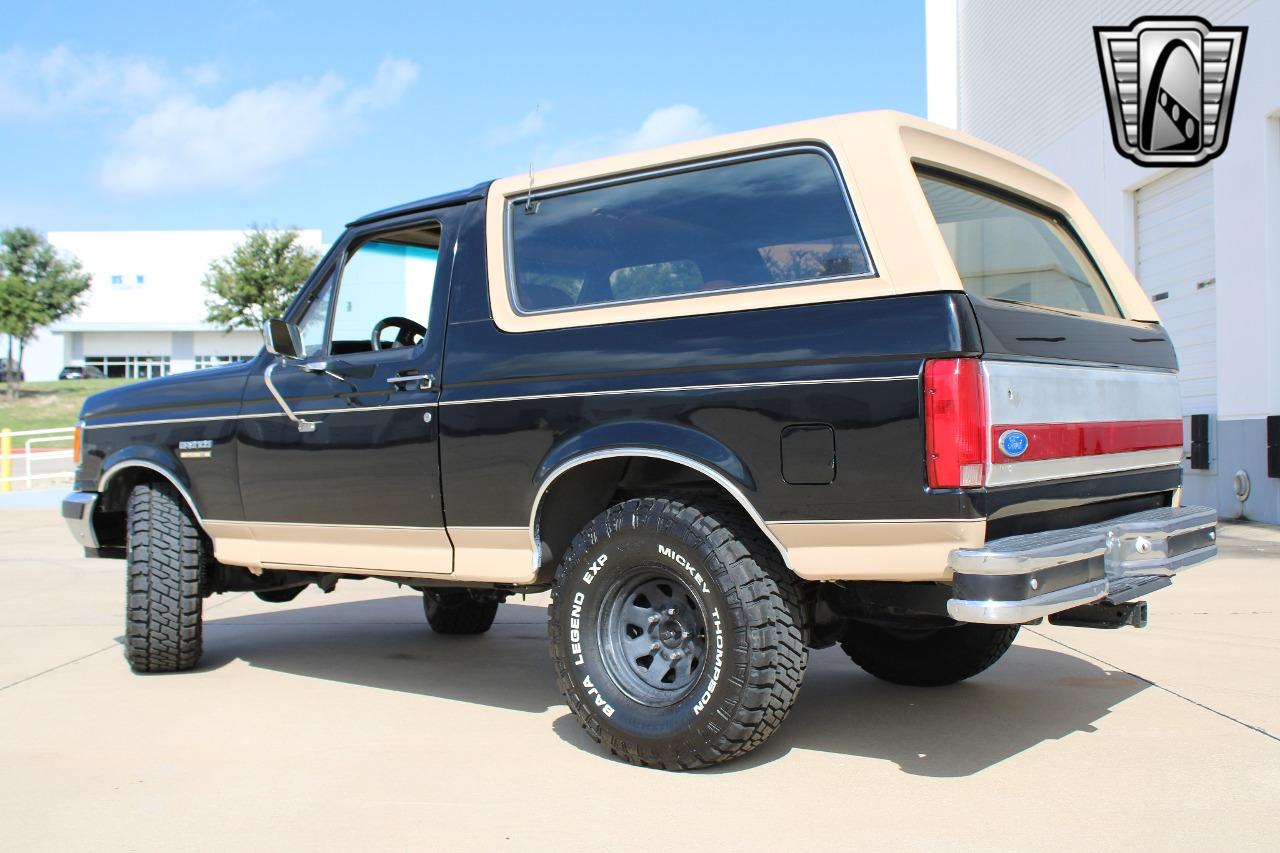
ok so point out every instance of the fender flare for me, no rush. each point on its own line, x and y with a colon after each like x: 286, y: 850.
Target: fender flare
x: 682, y: 440
x: 151, y: 459
x: 724, y: 467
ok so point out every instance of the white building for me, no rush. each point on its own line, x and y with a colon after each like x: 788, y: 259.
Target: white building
x: 145, y: 315
x: 1204, y: 242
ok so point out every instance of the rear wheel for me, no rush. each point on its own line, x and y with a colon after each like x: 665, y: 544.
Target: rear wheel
x: 167, y: 556
x: 926, y: 657
x: 676, y: 633
x: 460, y: 611
x: 279, y: 596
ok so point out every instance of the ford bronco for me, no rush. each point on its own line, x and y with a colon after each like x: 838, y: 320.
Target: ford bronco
x: 860, y: 380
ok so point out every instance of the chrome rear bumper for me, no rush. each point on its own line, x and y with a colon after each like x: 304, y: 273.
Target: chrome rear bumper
x: 1021, y: 578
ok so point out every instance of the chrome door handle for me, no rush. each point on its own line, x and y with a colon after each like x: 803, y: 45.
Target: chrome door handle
x: 425, y: 382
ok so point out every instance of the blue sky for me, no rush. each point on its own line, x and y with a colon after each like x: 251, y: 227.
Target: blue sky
x: 203, y: 115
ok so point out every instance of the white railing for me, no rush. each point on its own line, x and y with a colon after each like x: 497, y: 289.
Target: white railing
x: 27, y: 456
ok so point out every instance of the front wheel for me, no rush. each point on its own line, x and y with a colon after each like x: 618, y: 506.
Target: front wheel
x: 926, y: 657
x: 167, y: 555
x: 675, y: 633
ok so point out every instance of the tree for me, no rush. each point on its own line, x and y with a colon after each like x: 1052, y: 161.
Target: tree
x: 37, y: 287
x: 258, y: 279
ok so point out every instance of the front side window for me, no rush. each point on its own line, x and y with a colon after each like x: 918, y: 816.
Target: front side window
x: 315, y: 321
x: 773, y: 220
x: 1015, y: 252
x: 387, y: 281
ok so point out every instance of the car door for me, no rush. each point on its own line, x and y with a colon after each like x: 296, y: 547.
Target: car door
x: 338, y: 451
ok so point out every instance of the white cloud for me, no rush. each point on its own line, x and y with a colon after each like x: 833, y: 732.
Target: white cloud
x: 533, y: 122
x: 663, y: 126
x: 392, y: 80
x: 243, y: 142
x: 204, y: 74
x: 666, y: 126
x: 41, y: 86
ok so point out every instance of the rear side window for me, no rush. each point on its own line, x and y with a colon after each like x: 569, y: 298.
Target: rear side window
x: 765, y: 221
x: 1014, y: 252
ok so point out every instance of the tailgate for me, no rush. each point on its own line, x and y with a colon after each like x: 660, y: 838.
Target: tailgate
x: 1054, y: 421
x: 1071, y: 442
x: 1083, y: 412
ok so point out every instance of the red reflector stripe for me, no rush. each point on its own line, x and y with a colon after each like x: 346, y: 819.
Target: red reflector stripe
x: 1095, y: 438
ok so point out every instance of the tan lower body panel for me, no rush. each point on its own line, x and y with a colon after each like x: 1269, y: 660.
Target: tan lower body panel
x: 816, y: 550
x: 493, y: 554
x: 308, y: 547
x: 876, y: 550
x: 479, y: 554
x: 233, y: 543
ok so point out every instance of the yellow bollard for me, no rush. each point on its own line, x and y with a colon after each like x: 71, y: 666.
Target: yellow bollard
x: 6, y: 464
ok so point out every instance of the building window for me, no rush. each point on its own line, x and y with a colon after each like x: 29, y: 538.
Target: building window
x: 205, y: 361
x: 130, y: 366
x: 133, y: 282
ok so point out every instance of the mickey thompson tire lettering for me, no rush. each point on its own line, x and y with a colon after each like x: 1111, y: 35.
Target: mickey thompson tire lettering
x: 724, y: 618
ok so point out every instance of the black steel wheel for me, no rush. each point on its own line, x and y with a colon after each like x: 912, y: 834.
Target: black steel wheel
x: 654, y: 636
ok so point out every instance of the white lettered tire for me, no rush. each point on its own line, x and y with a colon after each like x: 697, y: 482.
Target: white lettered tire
x: 676, y: 633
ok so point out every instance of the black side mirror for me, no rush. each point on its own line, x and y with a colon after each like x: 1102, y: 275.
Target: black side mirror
x: 282, y: 339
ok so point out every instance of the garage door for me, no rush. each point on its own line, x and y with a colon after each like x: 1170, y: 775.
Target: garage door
x: 1175, y: 266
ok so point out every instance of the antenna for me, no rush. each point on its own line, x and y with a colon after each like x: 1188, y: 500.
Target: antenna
x: 530, y: 206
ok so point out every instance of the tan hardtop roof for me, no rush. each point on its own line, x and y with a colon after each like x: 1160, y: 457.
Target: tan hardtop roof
x: 886, y: 126
x: 877, y: 153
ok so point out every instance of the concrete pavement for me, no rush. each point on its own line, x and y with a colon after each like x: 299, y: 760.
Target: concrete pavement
x: 341, y: 722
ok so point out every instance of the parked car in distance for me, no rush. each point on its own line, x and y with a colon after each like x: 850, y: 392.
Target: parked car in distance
x: 9, y: 371
x: 81, y: 371
x: 861, y: 381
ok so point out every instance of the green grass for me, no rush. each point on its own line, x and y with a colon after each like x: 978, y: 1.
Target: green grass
x: 41, y: 405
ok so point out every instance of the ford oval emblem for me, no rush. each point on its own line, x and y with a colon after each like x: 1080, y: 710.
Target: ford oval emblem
x: 1013, y: 442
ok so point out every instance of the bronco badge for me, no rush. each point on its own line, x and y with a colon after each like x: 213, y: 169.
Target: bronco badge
x: 1170, y: 85
x: 202, y: 449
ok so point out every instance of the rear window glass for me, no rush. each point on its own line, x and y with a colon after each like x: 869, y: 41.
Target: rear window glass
x: 1008, y: 251
x: 772, y: 220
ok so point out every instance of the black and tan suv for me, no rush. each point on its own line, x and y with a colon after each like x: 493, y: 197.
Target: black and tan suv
x: 860, y: 380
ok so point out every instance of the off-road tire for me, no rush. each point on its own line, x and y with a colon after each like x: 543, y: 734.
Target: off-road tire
x: 753, y: 651
x: 167, y: 556
x: 459, y: 611
x: 926, y: 657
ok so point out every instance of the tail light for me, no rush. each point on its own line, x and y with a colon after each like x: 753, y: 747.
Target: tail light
x: 955, y: 423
